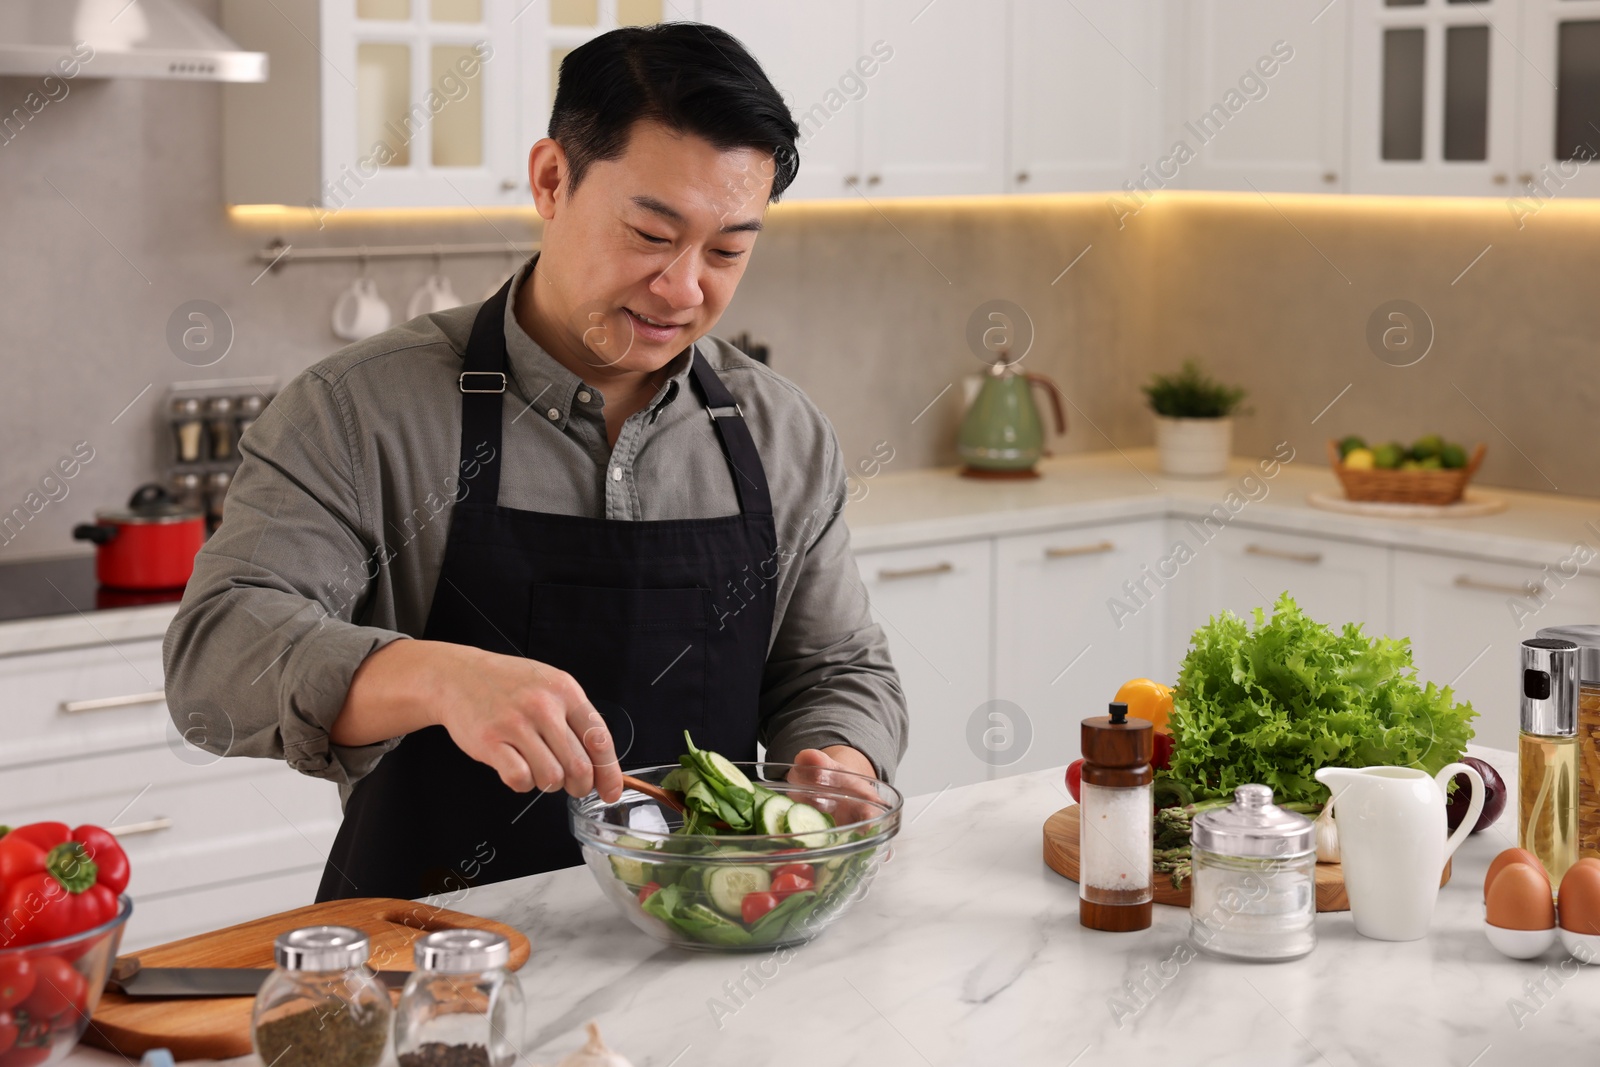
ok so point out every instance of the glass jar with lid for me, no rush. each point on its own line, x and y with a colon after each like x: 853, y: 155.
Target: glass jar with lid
x: 1254, y: 893
x: 461, y: 1007
x: 321, y: 1006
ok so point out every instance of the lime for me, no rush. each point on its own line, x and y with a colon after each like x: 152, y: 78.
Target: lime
x: 1411, y: 464
x: 1388, y: 457
x: 1349, y: 445
x: 1432, y: 463
x: 1429, y: 445
x: 1454, y: 457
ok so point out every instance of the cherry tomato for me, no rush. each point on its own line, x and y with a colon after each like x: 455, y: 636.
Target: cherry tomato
x: 8, y: 1031
x: 1162, y: 759
x: 1075, y: 779
x: 804, y: 870
x: 648, y: 890
x: 756, y: 905
x: 16, y: 980
x: 786, y: 885
x: 59, y: 988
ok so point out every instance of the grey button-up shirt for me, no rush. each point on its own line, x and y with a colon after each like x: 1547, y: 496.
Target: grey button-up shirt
x: 335, y: 528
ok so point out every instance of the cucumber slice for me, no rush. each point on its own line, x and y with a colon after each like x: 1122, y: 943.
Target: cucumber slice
x: 730, y: 774
x: 772, y: 814
x: 728, y: 887
x: 633, y: 873
x: 804, y: 819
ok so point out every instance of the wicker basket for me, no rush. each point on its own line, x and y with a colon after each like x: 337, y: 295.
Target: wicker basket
x: 1405, y: 487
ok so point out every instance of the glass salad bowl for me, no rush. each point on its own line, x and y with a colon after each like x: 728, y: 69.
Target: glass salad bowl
x: 728, y: 892
x: 48, y: 990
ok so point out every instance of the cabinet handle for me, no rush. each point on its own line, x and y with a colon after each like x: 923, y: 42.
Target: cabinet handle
x: 1066, y: 551
x: 507, y: 185
x: 1499, y: 179
x: 886, y: 574
x: 852, y: 179
x: 874, y: 179
x: 132, y: 700
x: 1467, y: 581
x: 1526, y: 178
x: 1022, y: 176
x: 133, y: 829
x: 1279, y: 553
x: 1330, y: 176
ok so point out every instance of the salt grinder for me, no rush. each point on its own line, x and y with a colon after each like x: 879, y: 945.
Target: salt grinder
x: 1114, y: 829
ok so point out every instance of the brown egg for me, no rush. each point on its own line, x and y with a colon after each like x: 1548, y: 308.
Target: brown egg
x: 1580, y: 897
x: 1509, y: 856
x: 1519, y: 899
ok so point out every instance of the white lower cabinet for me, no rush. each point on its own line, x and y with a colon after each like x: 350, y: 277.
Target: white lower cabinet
x: 934, y: 604
x: 1239, y: 568
x: 1070, y: 627
x: 212, y: 840
x: 1467, y: 619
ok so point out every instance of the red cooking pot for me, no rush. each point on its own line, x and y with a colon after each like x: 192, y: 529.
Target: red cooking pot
x: 150, y: 545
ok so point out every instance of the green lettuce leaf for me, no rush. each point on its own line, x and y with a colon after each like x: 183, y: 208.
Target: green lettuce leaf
x: 1273, y: 703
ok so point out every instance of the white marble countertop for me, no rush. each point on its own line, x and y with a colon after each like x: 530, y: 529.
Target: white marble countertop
x: 929, y: 506
x: 925, y: 506
x: 968, y: 951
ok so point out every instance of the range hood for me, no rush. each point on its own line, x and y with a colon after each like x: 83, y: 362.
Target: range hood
x: 129, y: 39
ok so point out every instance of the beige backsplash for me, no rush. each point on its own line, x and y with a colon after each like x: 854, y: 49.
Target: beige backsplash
x: 113, y: 218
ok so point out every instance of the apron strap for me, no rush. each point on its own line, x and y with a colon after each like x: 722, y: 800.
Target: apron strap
x: 749, y: 476
x: 483, y: 386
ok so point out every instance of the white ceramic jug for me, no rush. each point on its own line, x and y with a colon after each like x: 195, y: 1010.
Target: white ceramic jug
x: 1393, y: 844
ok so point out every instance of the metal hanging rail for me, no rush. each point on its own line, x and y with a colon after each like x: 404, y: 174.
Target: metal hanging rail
x: 277, y: 254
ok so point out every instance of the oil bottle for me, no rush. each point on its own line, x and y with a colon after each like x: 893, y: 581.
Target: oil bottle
x: 1547, y: 754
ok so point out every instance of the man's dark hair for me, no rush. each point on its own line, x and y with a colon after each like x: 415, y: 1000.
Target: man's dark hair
x: 690, y: 77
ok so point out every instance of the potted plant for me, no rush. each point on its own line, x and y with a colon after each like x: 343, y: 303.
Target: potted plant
x: 1194, y: 424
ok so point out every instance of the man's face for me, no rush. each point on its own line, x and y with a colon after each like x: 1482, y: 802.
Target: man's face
x: 642, y: 259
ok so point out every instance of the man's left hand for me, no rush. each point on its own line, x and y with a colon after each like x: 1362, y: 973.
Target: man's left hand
x: 815, y: 766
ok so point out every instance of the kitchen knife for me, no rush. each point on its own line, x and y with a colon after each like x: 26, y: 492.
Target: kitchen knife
x: 130, y: 979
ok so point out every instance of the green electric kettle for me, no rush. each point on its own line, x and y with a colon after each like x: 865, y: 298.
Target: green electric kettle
x: 1002, y: 435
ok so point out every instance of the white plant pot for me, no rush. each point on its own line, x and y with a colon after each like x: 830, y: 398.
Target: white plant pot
x: 1197, y: 448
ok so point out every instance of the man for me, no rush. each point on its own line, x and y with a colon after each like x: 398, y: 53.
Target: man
x: 599, y: 527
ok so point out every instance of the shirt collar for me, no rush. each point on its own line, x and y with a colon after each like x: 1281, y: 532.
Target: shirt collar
x: 548, y: 387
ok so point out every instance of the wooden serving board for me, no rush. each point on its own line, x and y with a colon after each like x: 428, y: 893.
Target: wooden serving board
x: 219, y: 1027
x: 1061, y: 853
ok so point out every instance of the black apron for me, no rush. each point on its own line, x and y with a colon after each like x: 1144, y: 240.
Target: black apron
x: 664, y: 624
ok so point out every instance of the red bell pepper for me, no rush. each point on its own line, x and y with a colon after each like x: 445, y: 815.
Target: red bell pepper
x: 55, y: 882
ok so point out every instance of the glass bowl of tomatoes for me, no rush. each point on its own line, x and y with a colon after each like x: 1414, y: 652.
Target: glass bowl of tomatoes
x: 706, y: 888
x: 49, y: 990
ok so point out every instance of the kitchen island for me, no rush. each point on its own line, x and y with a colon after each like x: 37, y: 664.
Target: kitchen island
x: 967, y: 950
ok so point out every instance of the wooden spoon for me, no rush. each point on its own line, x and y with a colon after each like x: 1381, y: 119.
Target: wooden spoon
x: 670, y: 798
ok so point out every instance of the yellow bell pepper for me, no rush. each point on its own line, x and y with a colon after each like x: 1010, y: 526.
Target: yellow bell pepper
x: 1147, y: 699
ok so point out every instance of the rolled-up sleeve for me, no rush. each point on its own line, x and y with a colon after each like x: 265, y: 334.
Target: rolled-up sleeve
x: 829, y: 679
x: 262, y: 651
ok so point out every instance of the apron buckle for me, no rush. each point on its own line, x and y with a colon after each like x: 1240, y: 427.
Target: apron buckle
x: 725, y: 413
x: 499, y: 381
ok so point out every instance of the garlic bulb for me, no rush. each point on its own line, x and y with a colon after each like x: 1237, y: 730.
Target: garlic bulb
x: 1327, y: 832
x: 594, y: 1053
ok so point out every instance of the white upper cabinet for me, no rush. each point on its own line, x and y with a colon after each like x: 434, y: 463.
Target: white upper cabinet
x: 933, y: 120
x: 374, y: 104
x: 814, y: 54
x: 1559, y: 127
x: 1433, y: 99
x: 1260, y: 96
x: 1102, y: 53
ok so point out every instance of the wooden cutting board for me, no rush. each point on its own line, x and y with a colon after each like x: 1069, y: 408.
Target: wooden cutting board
x: 219, y: 1027
x: 1061, y: 853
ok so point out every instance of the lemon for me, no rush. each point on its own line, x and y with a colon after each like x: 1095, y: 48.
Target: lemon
x: 1359, y: 459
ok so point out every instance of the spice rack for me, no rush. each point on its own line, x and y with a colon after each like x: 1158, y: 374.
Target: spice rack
x: 205, y: 420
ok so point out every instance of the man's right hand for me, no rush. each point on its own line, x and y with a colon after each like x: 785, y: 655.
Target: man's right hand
x: 529, y: 721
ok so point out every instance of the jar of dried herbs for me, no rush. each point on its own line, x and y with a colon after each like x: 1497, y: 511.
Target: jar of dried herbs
x: 321, y: 1006
x: 461, y: 1007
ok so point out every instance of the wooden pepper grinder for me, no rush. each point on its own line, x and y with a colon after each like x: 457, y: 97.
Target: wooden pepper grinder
x: 1115, y: 833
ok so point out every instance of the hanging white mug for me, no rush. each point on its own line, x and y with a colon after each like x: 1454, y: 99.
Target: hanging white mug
x: 434, y: 294
x: 360, y: 312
